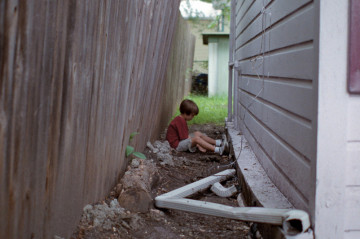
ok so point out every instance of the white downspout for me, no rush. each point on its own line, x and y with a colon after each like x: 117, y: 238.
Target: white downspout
x: 293, y: 221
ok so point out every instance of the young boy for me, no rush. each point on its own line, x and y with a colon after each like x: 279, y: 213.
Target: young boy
x: 178, y: 133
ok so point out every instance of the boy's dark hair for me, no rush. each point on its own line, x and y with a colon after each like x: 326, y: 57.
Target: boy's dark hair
x: 189, y: 107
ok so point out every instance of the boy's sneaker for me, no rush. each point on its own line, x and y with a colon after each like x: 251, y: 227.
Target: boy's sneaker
x: 224, y: 140
x: 224, y: 149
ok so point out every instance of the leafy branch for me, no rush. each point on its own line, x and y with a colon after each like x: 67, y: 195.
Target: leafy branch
x: 131, y: 151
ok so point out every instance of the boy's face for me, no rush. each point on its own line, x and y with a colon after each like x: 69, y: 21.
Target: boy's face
x: 189, y: 117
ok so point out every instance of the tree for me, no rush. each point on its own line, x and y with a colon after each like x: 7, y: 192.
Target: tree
x: 224, y: 6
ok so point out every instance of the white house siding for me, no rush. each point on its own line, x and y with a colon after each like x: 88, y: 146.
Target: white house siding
x: 276, y: 90
x: 352, y: 191
x: 352, y: 179
x: 337, y: 207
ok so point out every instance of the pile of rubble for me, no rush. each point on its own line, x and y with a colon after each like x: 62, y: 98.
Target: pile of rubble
x: 134, y: 193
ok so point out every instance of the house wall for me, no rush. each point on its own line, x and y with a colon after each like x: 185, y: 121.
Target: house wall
x: 276, y: 91
x: 77, y: 78
x: 338, y: 149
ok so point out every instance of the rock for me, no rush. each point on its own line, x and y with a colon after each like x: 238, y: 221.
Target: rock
x: 57, y: 237
x: 87, y: 216
x: 136, y: 200
x: 126, y: 225
x: 142, y: 177
x: 118, y: 188
x: 136, y: 222
x: 87, y: 208
x: 166, y: 159
x: 135, y: 163
x: 152, y: 148
x: 258, y: 235
x: 104, y: 216
x: 156, y: 214
x: 163, y: 147
x: 114, y: 204
x: 162, y: 150
x: 136, y: 186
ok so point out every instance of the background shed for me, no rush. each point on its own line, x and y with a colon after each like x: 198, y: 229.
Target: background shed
x: 218, y: 43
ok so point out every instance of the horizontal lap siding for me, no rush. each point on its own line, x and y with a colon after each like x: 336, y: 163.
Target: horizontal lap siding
x: 276, y: 99
x: 352, y: 190
x: 76, y: 80
x: 352, y: 209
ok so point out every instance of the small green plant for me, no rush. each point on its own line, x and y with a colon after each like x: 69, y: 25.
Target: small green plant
x: 131, y: 151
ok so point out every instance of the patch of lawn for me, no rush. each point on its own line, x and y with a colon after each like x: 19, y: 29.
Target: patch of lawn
x: 211, y: 109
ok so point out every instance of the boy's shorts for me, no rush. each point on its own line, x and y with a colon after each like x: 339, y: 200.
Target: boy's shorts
x: 185, y: 145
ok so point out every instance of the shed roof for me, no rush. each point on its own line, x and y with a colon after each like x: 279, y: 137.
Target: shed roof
x: 206, y: 36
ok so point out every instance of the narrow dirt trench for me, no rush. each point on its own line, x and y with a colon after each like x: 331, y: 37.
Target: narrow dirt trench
x: 163, y: 170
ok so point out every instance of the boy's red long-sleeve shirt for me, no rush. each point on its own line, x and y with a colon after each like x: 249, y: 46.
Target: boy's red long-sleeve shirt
x: 177, y: 131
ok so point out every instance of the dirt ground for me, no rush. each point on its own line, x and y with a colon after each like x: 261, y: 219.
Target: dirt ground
x: 156, y: 223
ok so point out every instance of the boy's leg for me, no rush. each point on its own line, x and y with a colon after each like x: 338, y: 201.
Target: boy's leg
x: 204, y: 141
x: 201, y: 148
x: 205, y: 137
x: 196, y: 140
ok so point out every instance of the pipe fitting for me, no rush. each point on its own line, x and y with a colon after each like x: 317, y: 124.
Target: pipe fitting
x: 221, y: 191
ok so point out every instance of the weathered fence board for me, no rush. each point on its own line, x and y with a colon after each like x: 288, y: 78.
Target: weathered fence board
x: 77, y: 78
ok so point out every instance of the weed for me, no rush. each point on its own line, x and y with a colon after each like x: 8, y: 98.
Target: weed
x: 131, y: 151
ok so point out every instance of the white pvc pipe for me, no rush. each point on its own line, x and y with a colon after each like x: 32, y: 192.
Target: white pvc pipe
x: 221, y: 191
x: 293, y: 221
x: 197, y: 186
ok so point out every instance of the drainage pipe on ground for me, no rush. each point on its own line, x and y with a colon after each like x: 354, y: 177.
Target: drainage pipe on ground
x: 293, y: 221
x: 221, y: 191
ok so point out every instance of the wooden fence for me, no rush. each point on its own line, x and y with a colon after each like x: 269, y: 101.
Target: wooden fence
x: 77, y: 78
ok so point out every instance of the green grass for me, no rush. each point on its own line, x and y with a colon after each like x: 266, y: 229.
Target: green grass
x: 211, y: 109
